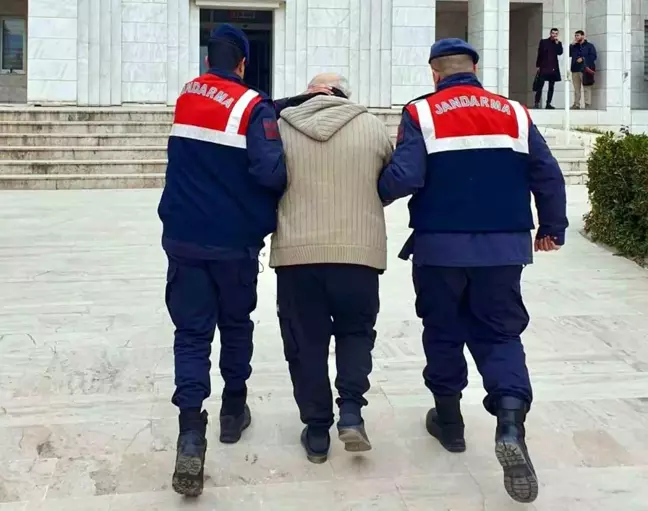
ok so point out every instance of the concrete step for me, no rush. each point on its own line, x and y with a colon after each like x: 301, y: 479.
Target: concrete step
x: 81, y: 181
x: 121, y: 114
x: 116, y: 181
x: 561, y: 151
x: 86, y: 114
x: 574, y: 170
x: 127, y: 174
x: 36, y: 168
x: 126, y: 153
x: 83, y: 139
x: 99, y: 127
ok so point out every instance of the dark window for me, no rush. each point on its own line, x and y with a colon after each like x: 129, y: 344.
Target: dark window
x: 645, y: 47
x: 12, y: 44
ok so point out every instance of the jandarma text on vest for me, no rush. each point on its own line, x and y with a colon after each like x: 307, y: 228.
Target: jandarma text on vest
x: 209, y: 92
x: 471, y: 101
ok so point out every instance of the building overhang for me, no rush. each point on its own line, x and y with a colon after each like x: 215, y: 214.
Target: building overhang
x: 240, y: 4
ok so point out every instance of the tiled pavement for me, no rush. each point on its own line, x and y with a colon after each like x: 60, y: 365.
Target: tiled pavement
x: 86, y: 375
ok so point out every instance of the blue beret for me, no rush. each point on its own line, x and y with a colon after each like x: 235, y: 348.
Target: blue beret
x: 232, y: 35
x: 453, y: 46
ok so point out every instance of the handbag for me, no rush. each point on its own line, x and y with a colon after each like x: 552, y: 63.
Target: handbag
x: 588, y: 76
x: 537, y: 83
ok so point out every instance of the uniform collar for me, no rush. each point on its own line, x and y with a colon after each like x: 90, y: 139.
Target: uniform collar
x: 459, y: 79
x: 228, y: 75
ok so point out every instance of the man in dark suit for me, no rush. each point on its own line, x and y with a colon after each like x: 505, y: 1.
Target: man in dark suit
x: 547, y: 67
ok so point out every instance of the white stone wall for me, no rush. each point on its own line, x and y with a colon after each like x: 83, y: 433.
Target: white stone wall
x: 343, y: 36
x: 639, y: 82
x: 52, y: 44
x: 112, y: 52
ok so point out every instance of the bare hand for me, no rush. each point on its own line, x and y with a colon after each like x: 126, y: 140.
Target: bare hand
x: 325, y: 89
x: 546, y: 244
x: 579, y: 59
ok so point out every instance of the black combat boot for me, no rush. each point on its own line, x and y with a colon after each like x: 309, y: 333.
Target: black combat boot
x: 235, y: 416
x: 188, y: 476
x: 446, y: 424
x: 520, y: 479
x: 316, y: 442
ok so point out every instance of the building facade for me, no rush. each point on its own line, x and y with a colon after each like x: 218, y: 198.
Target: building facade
x: 124, y: 52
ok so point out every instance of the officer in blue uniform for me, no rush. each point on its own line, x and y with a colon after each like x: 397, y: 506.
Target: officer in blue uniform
x: 471, y: 160
x: 225, y: 175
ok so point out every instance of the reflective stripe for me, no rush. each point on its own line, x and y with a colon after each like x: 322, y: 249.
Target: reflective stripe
x: 425, y: 120
x: 209, y: 135
x: 503, y: 141
x: 523, y: 125
x: 441, y: 145
x: 234, y: 122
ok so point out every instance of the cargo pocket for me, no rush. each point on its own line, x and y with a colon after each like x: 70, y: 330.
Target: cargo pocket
x: 172, y: 272
x: 248, y: 275
x: 291, y: 349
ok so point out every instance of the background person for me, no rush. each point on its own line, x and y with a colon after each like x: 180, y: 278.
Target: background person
x: 583, y: 65
x: 547, y: 67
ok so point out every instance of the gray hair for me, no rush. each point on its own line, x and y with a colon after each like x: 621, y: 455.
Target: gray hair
x: 332, y: 80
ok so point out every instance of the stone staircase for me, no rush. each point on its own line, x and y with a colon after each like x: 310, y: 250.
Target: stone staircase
x: 72, y: 148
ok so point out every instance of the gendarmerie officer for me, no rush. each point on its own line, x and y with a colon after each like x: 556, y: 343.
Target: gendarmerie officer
x: 471, y: 159
x: 225, y: 175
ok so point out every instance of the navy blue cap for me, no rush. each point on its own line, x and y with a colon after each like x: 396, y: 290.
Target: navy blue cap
x: 233, y: 35
x: 453, y: 46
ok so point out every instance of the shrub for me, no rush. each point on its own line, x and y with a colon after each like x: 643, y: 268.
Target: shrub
x: 618, y: 192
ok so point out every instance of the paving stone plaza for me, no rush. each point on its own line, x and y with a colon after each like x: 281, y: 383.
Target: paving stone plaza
x: 86, y: 374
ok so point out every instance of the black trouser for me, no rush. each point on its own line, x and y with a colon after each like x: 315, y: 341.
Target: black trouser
x: 480, y: 307
x: 202, y: 295
x: 550, y: 91
x: 315, y: 302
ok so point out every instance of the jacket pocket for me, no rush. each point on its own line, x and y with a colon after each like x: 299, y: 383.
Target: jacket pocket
x: 249, y: 273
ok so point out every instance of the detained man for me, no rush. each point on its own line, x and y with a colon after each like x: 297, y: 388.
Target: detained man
x: 328, y: 251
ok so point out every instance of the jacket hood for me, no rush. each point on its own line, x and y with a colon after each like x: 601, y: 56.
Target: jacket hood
x: 322, y: 116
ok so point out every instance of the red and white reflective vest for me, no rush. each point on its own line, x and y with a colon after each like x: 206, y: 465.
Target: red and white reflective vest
x: 468, y: 117
x: 212, y: 109
x: 477, y: 177
x: 210, y: 197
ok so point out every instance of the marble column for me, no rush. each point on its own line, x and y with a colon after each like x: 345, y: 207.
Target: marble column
x: 182, y: 46
x: 99, y: 49
x: 488, y: 32
x: 279, y: 53
x: 413, y: 33
x: 370, y: 52
x: 608, y: 25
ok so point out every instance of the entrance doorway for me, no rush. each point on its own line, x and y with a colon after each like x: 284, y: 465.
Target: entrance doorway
x: 257, y: 25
